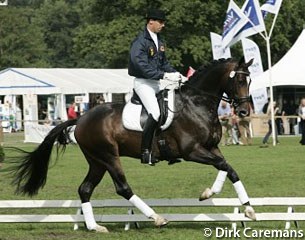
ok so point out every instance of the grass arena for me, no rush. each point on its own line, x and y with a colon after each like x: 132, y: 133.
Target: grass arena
x: 266, y: 172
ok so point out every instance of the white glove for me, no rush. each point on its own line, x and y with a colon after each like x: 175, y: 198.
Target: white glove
x: 183, y: 78
x: 172, y: 76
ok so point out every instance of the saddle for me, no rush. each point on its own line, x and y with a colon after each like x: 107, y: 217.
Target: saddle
x: 135, y: 115
x: 162, y: 98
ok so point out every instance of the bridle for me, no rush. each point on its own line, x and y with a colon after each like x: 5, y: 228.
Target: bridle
x: 235, y: 101
x: 231, y: 84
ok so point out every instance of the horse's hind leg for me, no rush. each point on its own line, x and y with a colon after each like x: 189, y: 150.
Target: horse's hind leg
x: 85, y: 190
x: 123, y: 189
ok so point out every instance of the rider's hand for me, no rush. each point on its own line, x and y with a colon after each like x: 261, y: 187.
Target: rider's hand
x: 183, y: 78
x: 172, y: 76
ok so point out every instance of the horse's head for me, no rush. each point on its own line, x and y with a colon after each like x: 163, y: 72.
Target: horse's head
x: 237, y: 87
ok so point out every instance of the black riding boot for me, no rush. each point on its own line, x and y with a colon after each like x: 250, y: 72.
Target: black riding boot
x: 147, y: 138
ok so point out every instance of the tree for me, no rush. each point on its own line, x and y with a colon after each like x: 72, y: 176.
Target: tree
x: 106, y: 45
x: 98, y: 33
x: 58, y: 20
x: 21, y: 42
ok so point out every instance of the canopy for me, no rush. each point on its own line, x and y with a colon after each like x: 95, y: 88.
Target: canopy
x: 18, y: 81
x: 288, y: 71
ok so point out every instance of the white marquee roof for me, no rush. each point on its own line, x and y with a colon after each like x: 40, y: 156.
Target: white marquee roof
x: 290, y: 70
x: 19, y: 81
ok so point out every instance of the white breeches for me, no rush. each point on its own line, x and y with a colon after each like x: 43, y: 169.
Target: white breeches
x: 146, y: 90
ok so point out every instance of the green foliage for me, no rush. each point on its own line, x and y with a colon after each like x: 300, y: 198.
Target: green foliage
x: 97, y: 33
x: 107, y: 42
x: 21, y: 42
x: 58, y: 20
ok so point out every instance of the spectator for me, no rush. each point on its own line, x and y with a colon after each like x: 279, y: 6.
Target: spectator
x: 290, y: 109
x: 235, y: 129
x: 301, y: 113
x: 265, y: 139
x: 244, y: 129
x: 224, y: 114
x: 71, y: 111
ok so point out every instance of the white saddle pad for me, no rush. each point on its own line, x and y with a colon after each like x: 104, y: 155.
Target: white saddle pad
x: 132, y: 114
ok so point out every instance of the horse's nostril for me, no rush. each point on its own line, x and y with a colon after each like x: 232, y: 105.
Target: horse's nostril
x: 243, y: 113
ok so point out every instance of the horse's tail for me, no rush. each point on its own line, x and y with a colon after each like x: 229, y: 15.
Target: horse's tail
x: 30, y: 174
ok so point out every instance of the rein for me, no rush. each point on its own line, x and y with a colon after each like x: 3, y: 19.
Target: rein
x: 217, y: 98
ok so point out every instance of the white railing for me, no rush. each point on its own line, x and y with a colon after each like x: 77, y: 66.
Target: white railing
x: 129, y: 217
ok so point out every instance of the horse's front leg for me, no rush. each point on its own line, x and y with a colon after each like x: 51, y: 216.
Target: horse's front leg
x: 215, y: 158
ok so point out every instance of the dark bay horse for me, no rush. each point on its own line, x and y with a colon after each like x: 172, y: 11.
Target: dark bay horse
x: 194, y: 135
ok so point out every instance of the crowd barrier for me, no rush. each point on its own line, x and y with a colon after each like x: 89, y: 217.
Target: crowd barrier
x: 288, y: 216
x: 35, y: 131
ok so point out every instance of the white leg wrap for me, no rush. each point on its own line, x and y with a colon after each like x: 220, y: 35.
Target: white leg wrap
x: 220, y: 180
x: 88, y: 215
x: 142, y: 206
x: 241, y: 192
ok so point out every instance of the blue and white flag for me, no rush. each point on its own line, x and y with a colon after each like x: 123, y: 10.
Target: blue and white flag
x: 235, y: 20
x: 272, y: 6
x: 217, y: 49
x: 255, y: 24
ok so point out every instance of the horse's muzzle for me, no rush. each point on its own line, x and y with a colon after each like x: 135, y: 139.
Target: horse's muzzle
x: 242, y: 112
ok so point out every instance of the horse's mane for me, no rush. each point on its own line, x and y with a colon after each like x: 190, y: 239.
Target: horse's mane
x: 204, y: 69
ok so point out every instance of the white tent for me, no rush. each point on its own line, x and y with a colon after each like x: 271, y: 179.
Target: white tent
x: 19, y: 81
x: 31, y: 82
x: 288, y: 71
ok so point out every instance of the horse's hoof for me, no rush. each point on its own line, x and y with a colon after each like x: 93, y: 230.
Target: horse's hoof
x: 101, y: 229
x: 206, y: 194
x: 250, y: 213
x: 159, y: 220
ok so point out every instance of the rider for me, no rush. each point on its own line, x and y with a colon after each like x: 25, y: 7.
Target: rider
x: 148, y: 64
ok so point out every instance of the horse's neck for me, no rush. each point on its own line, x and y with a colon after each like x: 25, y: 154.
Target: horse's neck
x: 213, y: 85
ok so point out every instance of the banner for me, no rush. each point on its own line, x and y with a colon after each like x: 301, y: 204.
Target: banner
x: 217, y: 49
x: 3, y: 2
x: 36, y: 133
x: 272, y: 6
x: 235, y: 20
x: 259, y: 97
x: 251, y: 50
x: 255, y: 24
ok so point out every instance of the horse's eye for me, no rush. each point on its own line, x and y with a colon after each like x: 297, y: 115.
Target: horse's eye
x: 242, y: 83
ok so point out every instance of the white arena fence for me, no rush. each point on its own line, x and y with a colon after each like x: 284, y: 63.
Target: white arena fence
x: 288, y: 216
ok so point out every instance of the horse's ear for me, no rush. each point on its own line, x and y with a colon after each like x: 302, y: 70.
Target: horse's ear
x: 248, y: 64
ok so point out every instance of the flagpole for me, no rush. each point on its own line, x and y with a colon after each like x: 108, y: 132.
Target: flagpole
x: 271, y: 91
x: 270, y: 81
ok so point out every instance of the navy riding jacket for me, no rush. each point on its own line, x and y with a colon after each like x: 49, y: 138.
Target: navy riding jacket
x: 144, y: 59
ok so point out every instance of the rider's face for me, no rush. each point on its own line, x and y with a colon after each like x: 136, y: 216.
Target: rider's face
x: 156, y: 25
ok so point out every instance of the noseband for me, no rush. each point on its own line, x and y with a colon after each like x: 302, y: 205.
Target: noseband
x: 235, y: 100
